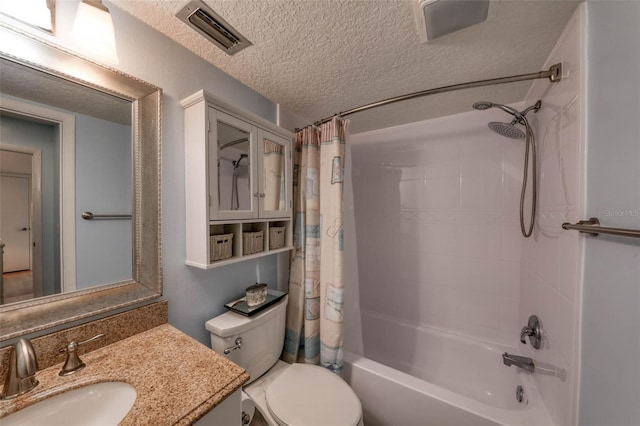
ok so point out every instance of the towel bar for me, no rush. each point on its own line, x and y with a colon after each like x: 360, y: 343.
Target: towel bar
x: 592, y: 227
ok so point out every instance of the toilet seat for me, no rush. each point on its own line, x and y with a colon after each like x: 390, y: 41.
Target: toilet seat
x: 309, y: 395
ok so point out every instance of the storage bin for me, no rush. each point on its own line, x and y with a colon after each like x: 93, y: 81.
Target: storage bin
x: 221, y: 246
x: 252, y: 242
x: 276, y: 237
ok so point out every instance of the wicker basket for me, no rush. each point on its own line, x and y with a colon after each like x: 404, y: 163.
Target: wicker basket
x: 221, y: 246
x: 276, y: 237
x: 252, y: 242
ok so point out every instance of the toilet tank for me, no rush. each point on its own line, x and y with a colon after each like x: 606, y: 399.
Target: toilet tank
x: 262, y: 337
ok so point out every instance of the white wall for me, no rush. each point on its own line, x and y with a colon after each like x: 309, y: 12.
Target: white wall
x: 436, y: 212
x: 194, y: 295
x: 610, y: 377
x: 551, y: 259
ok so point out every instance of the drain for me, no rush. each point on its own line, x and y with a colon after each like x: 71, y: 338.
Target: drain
x: 519, y: 394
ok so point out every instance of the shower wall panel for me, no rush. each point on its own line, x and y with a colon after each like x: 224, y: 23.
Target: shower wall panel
x: 552, y: 259
x: 438, y: 237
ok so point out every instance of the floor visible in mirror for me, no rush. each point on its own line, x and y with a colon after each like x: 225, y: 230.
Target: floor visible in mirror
x: 17, y: 286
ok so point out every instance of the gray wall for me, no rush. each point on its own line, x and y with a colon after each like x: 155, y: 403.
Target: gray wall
x: 610, y: 379
x: 103, y: 185
x: 194, y: 295
x: 16, y: 131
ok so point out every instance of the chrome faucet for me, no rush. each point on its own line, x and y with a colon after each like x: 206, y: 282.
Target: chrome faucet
x: 519, y: 361
x: 23, y: 366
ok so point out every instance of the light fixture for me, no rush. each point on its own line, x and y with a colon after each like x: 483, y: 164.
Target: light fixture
x: 210, y: 25
x: 93, y: 31
x: 38, y: 13
x: 438, y: 18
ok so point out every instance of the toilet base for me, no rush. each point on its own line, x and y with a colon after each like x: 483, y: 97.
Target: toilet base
x: 256, y: 390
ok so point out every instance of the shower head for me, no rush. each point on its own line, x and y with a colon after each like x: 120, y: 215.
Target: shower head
x: 482, y: 105
x: 236, y: 163
x: 508, y: 130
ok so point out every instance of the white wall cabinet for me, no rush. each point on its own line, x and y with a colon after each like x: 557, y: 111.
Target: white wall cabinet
x: 238, y: 176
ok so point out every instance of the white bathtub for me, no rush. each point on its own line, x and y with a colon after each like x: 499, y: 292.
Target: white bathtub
x: 430, y: 377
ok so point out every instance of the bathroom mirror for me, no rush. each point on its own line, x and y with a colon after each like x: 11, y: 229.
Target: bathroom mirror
x: 234, y: 168
x: 137, y: 107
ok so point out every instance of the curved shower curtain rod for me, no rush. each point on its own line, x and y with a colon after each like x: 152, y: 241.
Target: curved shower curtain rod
x: 554, y: 74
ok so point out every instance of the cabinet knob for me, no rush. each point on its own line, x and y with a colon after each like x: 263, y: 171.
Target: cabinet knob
x: 263, y: 195
x: 256, y: 194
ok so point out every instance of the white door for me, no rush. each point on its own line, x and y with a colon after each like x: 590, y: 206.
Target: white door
x: 15, y: 222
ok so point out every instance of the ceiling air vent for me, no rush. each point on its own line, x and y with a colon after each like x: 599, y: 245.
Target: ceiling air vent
x: 438, y: 18
x: 210, y: 25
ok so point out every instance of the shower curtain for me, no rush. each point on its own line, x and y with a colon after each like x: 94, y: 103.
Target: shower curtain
x: 315, y: 314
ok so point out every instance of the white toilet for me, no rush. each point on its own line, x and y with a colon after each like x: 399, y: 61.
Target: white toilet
x: 285, y: 395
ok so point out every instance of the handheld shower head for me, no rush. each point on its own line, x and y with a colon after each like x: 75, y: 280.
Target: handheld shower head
x: 510, y: 130
x: 482, y: 105
x: 236, y: 163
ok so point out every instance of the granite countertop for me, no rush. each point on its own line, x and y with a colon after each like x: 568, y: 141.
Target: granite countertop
x: 177, y: 379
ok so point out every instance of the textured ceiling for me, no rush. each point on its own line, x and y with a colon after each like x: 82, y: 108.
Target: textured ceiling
x: 320, y: 57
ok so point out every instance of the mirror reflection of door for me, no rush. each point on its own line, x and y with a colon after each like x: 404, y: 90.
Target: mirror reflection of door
x: 234, y: 168
x: 21, y: 193
x: 15, y: 201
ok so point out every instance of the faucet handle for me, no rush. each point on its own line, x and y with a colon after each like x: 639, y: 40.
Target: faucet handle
x: 533, y: 330
x: 73, y: 362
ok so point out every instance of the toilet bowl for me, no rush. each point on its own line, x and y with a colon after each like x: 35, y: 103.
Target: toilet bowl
x: 285, y: 394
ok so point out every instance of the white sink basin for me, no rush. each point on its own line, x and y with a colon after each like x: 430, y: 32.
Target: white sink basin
x: 98, y: 404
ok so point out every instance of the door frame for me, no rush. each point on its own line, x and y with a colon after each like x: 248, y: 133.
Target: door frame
x: 66, y: 129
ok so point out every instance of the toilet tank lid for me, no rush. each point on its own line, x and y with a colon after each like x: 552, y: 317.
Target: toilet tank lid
x: 231, y: 323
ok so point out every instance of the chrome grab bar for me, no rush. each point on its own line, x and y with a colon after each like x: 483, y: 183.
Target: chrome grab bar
x: 91, y: 216
x: 593, y: 228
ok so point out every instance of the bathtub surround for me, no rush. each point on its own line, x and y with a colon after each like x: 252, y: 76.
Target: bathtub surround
x: 550, y: 281
x: 316, y: 284
x: 441, y: 249
x: 438, y: 234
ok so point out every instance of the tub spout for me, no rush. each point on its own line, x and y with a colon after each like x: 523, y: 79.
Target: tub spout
x: 519, y: 361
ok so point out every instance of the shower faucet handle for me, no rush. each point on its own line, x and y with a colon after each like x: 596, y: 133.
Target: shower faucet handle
x: 533, y: 330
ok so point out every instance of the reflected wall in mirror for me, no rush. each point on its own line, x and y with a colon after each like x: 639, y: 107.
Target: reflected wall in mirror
x: 37, y: 261
x: 234, y: 168
x: 106, y: 152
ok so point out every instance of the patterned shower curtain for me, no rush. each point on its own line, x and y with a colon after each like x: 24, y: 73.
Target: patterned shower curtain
x: 315, y: 312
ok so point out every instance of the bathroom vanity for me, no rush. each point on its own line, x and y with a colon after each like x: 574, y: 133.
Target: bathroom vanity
x: 178, y: 380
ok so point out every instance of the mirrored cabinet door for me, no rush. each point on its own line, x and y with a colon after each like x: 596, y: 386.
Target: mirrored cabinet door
x: 274, y: 174
x: 232, y: 168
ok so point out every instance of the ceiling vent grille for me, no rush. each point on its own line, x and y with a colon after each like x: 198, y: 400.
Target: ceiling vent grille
x: 210, y: 25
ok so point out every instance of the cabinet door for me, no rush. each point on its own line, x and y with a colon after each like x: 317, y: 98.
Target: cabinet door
x: 274, y: 168
x: 233, y: 188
